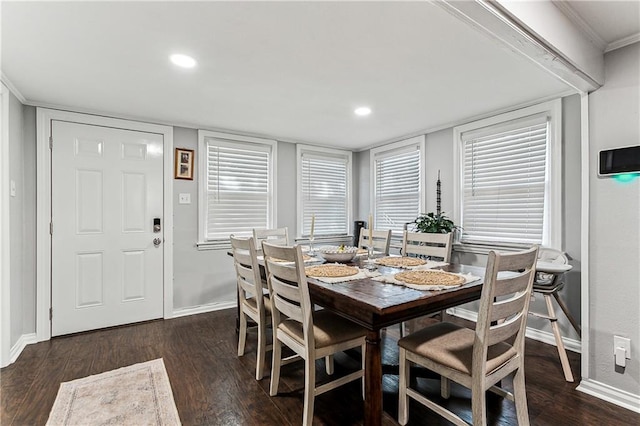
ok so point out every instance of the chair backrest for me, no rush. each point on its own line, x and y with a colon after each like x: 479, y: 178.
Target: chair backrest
x: 288, y: 288
x: 381, y: 239
x: 245, y: 259
x: 427, y: 244
x: 504, y: 303
x: 277, y: 236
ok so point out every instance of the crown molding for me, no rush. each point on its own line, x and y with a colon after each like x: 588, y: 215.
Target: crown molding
x: 633, y: 38
x: 582, y: 25
x: 13, y: 89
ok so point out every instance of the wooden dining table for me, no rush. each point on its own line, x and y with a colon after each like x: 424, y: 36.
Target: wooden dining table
x: 376, y: 305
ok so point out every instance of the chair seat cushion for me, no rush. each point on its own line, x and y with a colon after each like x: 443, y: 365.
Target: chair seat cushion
x: 328, y: 328
x: 452, y: 346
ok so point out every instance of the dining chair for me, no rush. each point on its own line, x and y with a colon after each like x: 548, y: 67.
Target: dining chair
x: 551, y: 266
x: 277, y: 236
x: 381, y: 240
x: 477, y: 359
x: 427, y: 244
x: 253, y: 303
x: 310, y: 334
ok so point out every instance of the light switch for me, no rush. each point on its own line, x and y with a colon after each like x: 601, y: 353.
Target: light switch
x: 13, y: 188
x: 184, y: 198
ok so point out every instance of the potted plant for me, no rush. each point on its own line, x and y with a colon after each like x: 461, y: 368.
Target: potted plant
x: 437, y: 223
x: 434, y: 223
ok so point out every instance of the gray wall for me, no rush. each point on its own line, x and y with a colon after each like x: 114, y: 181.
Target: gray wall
x: 571, y: 238
x: 614, y: 257
x: 439, y: 156
x: 362, y: 185
x: 199, y: 277
x: 22, y: 157
x: 206, y: 277
x: 439, y: 153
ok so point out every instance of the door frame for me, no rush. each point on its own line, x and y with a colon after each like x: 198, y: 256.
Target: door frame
x: 44, y: 116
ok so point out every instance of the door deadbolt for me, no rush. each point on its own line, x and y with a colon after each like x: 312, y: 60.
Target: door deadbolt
x: 156, y: 225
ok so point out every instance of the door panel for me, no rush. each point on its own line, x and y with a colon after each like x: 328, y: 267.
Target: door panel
x: 106, y: 191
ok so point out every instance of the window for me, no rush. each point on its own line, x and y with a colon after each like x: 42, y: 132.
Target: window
x: 509, y: 182
x: 324, y: 182
x: 398, y: 177
x: 236, y: 192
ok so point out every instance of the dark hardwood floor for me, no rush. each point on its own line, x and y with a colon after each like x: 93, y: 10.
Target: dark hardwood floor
x: 212, y: 386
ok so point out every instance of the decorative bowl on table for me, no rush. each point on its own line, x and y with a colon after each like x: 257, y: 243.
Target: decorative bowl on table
x: 342, y: 254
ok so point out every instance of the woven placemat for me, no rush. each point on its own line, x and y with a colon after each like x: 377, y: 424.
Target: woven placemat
x: 430, y: 278
x: 400, y: 262
x: 330, y: 271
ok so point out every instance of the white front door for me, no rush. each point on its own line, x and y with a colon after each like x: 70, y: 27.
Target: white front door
x: 106, y: 194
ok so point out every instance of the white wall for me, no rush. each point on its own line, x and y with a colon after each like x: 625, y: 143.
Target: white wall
x: 614, y: 276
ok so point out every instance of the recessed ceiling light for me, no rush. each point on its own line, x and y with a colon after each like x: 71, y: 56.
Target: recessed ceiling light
x: 362, y: 111
x: 183, y: 61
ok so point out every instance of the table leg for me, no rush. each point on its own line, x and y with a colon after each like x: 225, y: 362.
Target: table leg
x: 373, y: 380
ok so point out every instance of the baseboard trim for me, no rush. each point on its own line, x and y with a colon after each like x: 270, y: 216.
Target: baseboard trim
x: 532, y: 333
x: 23, y: 341
x: 209, y: 307
x: 610, y: 394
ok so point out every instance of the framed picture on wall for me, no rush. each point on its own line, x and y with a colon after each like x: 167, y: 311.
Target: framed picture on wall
x: 184, y: 164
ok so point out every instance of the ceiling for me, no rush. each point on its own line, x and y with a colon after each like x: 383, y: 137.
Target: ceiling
x: 609, y: 21
x: 292, y: 71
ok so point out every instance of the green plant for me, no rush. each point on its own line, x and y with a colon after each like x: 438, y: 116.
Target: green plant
x: 434, y: 223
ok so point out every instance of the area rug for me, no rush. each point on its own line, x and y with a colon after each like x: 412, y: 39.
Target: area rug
x: 139, y: 394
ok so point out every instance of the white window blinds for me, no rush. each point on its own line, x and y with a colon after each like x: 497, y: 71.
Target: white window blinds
x: 504, y: 182
x: 238, y: 195
x: 397, y: 188
x: 324, y: 181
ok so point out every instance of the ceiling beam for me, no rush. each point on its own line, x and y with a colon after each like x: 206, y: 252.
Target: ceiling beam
x: 540, y: 32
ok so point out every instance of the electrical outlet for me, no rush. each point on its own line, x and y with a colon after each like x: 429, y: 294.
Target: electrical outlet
x: 623, y: 342
x: 621, y: 350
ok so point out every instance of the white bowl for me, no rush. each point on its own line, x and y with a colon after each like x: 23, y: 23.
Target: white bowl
x: 334, y: 254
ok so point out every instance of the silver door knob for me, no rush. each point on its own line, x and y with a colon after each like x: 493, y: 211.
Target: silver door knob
x: 156, y: 241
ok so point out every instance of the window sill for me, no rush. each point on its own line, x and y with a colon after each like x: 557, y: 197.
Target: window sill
x: 326, y: 239
x: 214, y: 245
x: 485, y: 248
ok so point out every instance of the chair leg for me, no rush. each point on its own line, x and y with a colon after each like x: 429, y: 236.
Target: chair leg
x: 445, y: 387
x: 262, y: 348
x: 242, y: 333
x: 478, y: 404
x: 570, y: 317
x: 520, y: 396
x: 363, y: 354
x: 309, y: 390
x: 275, y: 366
x: 564, y: 360
x: 328, y: 364
x: 403, y: 399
